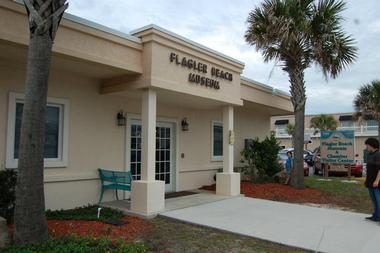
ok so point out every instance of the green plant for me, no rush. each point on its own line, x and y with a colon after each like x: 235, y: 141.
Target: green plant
x: 7, y: 193
x: 78, y: 245
x: 323, y: 122
x: 84, y: 213
x: 290, y: 129
x: 261, y: 159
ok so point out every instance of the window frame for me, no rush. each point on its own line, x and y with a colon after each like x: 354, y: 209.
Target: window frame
x: 62, y: 160
x: 215, y: 158
x: 370, y: 125
x: 351, y: 122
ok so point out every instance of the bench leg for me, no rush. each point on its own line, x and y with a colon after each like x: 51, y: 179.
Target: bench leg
x: 101, y: 196
x: 117, y: 196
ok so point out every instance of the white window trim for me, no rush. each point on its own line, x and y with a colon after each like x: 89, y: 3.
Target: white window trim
x: 215, y: 158
x: 62, y: 160
x: 281, y: 126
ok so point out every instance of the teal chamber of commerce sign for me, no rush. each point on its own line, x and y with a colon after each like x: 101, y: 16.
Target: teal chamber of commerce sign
x: 337, y: 146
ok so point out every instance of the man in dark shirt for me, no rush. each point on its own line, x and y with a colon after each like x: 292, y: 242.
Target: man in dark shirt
x: 373, y: 176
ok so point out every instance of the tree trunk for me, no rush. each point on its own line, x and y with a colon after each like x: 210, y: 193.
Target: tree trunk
x: 378, y: 130
x: 297, y: 179
x: 30, y: 220
x: 297, y: 90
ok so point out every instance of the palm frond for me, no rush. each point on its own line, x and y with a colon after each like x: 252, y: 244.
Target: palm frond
x: 332, y: 50
x: 323, y: 122
x: 367, y: 101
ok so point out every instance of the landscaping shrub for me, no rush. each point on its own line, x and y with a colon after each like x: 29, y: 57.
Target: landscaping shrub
x: 78, y: 245
x: 85, y: 213
x: 7, y: 193
x: 261, y: 159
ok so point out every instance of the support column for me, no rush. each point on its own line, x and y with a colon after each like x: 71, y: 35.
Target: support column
x: 228, y: 182
x: 148, y: 194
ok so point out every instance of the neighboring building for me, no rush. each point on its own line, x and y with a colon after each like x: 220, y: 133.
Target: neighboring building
x: 346, y: 121
x: 187, y: 110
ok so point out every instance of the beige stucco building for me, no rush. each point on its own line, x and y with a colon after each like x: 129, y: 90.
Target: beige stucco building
x: 160, y: 82
x: 346, y: 121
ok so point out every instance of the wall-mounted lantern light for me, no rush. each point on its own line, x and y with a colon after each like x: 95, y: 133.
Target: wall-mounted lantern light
x: 185, y: 125
x: 121, y: 119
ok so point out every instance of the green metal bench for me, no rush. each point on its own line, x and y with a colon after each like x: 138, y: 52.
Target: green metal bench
x: 115, y: 180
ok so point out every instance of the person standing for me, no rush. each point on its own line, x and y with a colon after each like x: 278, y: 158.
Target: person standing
x: 373, y: 176
x: 288, y: 166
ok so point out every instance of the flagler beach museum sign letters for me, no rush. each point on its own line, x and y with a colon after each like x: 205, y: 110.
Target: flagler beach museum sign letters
x: 337, y: 146
x: 199, y: 71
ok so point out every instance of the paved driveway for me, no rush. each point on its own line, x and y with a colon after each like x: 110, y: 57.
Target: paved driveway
x: 313, y: 228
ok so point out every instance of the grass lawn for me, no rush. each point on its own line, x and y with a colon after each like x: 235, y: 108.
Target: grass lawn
x: 331, y: 194
x: 78, y: 245
x: 173, y: 236
x: 89, y: 213
x: 348, y: 195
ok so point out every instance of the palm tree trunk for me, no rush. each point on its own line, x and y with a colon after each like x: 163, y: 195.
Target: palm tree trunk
x: 298, y: 93
x: 30, y: 220
x: 297, y: 179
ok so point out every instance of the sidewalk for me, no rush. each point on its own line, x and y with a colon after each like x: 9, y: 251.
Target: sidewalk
x: 312, y: 228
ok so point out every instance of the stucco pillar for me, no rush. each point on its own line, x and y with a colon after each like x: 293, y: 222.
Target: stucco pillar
x: 228, y: 182
x: 148, y: 194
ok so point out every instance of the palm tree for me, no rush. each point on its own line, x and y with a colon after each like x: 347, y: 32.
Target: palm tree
x: 367, y: 103
x: 323, y: 122
x: 30, y: 221
x: 297, y: 34
x: 290, y: 129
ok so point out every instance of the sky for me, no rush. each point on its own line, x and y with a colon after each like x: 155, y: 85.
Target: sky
x: 221, y: 24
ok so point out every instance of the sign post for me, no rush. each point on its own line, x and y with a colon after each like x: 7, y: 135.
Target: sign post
x: 338, y: 148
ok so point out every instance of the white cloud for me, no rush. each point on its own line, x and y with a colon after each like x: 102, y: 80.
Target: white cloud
x: 220, y: 25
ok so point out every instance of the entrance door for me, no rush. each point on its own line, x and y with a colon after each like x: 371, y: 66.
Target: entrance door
x: 164, y: 152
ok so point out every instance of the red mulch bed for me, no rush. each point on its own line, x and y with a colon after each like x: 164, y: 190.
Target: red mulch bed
x: 96, y: 229
x: 280, y: 192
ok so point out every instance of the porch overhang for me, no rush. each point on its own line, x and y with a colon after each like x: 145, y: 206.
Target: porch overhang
x: 255, y: 94
x: 78, y: 41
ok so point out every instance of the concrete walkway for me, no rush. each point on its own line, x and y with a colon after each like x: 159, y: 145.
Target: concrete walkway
x: 200, y: 198
x: 312, y: 228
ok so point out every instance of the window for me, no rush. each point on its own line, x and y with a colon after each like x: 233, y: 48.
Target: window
x: 281, y: 127
x: 217, y: 141
x: 56, y: 131
x: 347, y: 124
x: 372, y: 123
x: 136, y: 151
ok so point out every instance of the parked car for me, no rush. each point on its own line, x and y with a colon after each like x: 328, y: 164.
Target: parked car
x: 335, y: 169
x: 309, y: 159
x: 282, y: 157
x: 342, y: 170
x: 305, y: 151
x: 307, y: 155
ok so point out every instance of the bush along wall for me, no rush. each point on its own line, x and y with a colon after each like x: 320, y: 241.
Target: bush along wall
x: 7, y: 194
x: 261, y: 159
